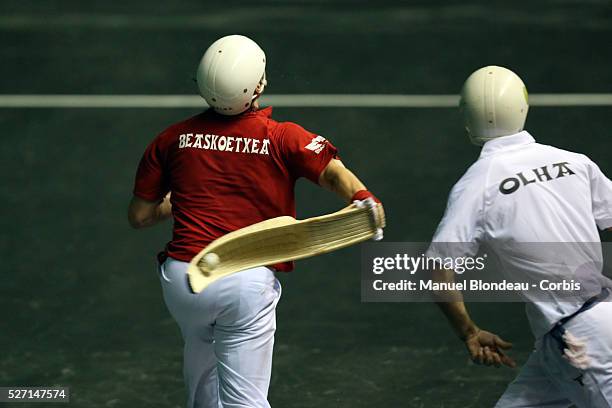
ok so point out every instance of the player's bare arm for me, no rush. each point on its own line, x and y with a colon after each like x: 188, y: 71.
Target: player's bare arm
x: 143, y: 213
x: 340, y: 180
x: 484, y: 347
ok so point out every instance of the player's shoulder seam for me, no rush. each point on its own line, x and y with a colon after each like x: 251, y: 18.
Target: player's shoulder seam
x: 283, y: 127
x: 473, y: 181
x: 289, y: 125
x: 479, y: 169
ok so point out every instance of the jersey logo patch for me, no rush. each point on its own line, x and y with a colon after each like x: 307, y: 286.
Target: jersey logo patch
x: 317, y: 144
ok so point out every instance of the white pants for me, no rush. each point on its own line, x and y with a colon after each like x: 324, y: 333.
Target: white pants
x: 548, y: 380
x: 228, y: 331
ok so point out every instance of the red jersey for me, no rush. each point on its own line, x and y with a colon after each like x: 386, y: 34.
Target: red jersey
x: 228, y: 172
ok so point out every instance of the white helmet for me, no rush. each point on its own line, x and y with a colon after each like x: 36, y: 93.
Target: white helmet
x: 494, y: 103
x: 231, y: 74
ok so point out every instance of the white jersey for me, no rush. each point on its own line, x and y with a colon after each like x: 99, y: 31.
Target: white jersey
x: 519, y: 191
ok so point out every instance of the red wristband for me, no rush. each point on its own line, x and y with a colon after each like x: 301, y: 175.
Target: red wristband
x: 362, y: 195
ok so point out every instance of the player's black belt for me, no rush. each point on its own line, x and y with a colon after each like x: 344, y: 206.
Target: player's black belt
x: 558, y: 330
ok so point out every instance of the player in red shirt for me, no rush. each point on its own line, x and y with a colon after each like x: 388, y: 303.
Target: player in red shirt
x: 226, y: 168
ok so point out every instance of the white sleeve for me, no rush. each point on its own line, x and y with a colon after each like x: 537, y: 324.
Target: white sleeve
x: 601, y: 197
x: 462, y: 222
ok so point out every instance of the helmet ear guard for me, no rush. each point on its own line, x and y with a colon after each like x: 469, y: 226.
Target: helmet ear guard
x: 494, y: 104
x: 260, y: 87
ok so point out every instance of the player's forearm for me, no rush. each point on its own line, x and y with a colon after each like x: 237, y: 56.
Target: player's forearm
x: 164, y: 209
x: 347, y: 184
x: 158, y: 214
x: 340, y: 180
x: 452, y: 305
x: 458, y: 317
x: 142, y: 214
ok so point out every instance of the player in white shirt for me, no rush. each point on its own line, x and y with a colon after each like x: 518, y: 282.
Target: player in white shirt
x: 519, y: 191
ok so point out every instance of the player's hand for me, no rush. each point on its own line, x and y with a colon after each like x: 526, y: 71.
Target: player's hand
x: 576, y: 352
x: 488, y: 349
x: 377, y: 212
